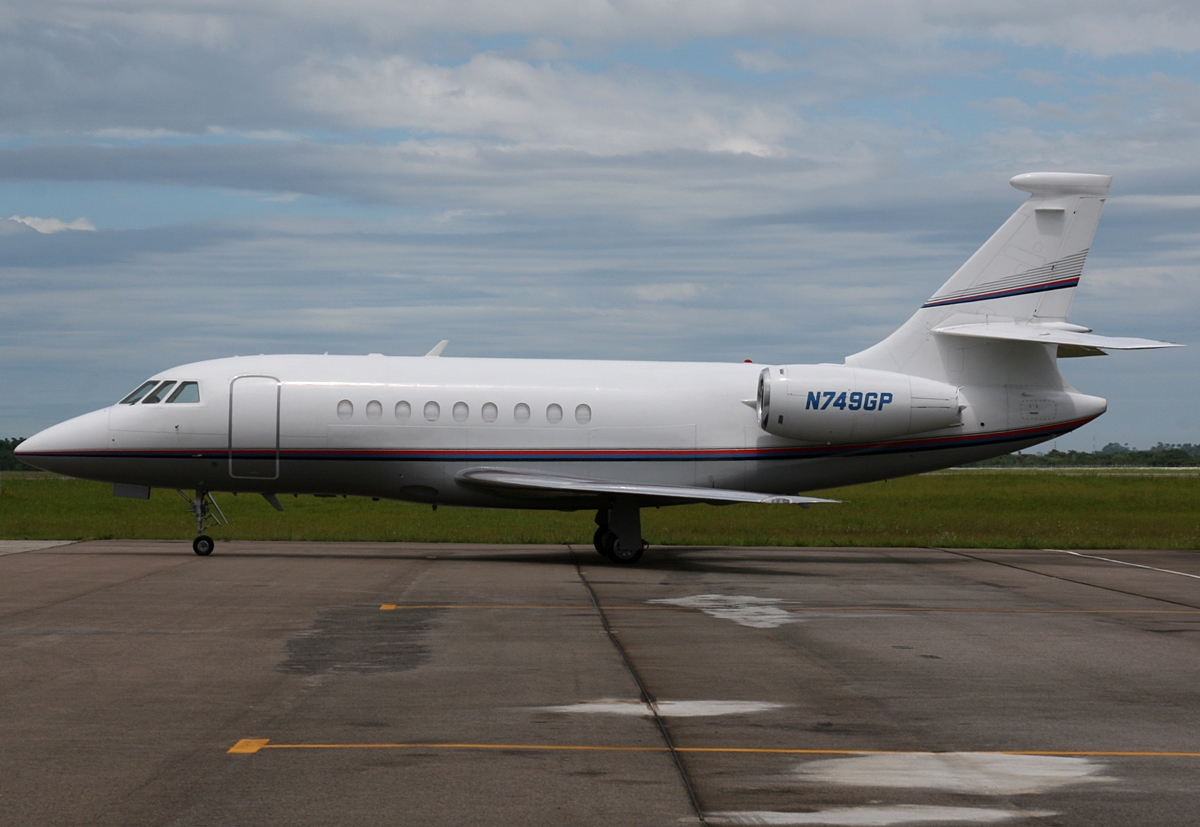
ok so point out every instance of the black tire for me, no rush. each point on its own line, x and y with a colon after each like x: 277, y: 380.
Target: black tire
x: 620, y: 556
x: 625, y: 557
x: 203, y: 545
x: 598, y: 541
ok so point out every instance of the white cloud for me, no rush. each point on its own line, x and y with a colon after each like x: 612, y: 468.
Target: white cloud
x: 766, y: 61
x: 54, y: 225
x: 1098, y: 27
x: 676, y: 292
x: 10, y: 227
x: 548, y: 106
x: 1039, y: 78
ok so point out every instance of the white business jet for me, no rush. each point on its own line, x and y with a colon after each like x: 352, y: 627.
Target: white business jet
x: 973, y: 374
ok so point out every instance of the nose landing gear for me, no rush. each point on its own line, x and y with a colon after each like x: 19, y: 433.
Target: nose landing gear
x: 619, y: 534
x: 203, y: 545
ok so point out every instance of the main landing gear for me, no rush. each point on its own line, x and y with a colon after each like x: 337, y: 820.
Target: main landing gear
x: 205, y: 518
x: 619, y: 534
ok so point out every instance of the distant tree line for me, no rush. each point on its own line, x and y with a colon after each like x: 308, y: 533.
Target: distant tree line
x: 1162, y: 455
x: 8, y: 462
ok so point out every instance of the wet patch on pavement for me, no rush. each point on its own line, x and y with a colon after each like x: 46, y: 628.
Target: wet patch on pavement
x: 361, y: 639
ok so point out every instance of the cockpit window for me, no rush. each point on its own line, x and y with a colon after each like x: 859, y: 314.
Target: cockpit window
x: 159, y: 393
x: 186, y: 392
x: 142, y: 390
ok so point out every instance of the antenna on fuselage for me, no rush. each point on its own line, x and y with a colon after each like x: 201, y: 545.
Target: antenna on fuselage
x: 438, y: 348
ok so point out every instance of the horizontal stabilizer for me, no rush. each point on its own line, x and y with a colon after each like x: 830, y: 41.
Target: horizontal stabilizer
x: 1074, y: 340
x: 522, y: 481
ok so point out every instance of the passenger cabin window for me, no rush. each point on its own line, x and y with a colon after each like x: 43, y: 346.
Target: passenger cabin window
x: 142, y: 390
x: 186, y: 392
x: 158, y: 394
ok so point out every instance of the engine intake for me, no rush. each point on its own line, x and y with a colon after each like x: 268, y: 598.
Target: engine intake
x: 837, y: 404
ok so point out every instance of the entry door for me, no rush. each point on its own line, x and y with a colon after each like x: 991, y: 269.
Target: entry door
x: 254, y: 427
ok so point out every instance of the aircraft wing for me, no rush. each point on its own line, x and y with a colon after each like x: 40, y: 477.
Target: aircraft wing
x: 1077, y: 342
x: 504, y: 480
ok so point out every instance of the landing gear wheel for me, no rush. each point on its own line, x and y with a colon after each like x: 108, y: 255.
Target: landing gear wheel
x: 203, y: 545
x: 605, y: 540
x: 626, y: 557
x: 622, y: 554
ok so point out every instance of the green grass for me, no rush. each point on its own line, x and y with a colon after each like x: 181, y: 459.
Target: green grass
x: 1000, y: 509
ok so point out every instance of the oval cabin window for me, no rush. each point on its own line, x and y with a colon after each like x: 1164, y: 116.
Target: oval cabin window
x: 403, y: 410
x: 489, y: 411
x: 521, y: 412
x: 374, y: 409
x: 345, y: 409
x: 432, y: 411
x: 461, y: 411
x: 554, y: 414
x: 583, y: 414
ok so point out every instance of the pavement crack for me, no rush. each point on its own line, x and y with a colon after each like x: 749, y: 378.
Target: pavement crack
x: 646, y: 698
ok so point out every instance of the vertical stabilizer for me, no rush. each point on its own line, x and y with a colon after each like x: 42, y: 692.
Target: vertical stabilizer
x: 1025, y: 273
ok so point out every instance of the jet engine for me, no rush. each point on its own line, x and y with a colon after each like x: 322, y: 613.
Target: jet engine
x: 837, y: 404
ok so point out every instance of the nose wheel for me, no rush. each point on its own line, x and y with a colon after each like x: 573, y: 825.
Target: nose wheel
x: 208, y: 515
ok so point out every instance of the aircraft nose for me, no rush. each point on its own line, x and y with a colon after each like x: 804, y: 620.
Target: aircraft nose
x: 60, y: 447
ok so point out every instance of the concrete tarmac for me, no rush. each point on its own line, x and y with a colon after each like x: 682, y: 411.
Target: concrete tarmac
x: 405, y: 684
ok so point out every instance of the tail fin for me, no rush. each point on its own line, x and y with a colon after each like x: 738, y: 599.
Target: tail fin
x: 1025, y: 273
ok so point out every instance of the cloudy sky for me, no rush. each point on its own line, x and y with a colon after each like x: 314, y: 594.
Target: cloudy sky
x: 777, y: 181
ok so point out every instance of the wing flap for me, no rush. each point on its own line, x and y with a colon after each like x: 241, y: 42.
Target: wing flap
x: 1048, y: 335
x: 517, y: 481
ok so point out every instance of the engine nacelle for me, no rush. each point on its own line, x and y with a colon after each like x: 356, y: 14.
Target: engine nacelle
x: 836, y: 404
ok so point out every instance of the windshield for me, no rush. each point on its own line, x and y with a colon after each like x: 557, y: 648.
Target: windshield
x: 186, y: 392
x: 159, y: 393
x: 142, y: 390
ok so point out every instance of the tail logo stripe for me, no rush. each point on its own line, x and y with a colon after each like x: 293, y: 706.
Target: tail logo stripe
x: 1056, y: 275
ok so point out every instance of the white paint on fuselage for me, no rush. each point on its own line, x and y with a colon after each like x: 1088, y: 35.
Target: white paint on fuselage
x: 665, y: 423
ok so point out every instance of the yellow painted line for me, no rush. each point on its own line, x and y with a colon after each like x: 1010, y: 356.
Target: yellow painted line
x: 801, y: 609
x: 1102, y: 753
x: 249, y: 746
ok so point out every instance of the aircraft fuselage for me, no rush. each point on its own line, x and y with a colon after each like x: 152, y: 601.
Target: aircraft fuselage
x: 403, y: 427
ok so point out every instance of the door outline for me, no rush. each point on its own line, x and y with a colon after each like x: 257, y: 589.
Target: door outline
x: 278, y: 397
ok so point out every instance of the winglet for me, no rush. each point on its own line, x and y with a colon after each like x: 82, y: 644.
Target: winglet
x: 438, y: 348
